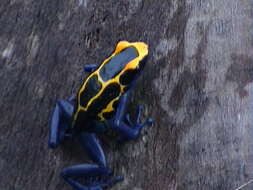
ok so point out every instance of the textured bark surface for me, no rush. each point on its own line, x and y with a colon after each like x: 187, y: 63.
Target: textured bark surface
x: 197, y: 86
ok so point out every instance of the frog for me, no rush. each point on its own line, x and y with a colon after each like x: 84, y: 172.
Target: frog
x: 100, y: 105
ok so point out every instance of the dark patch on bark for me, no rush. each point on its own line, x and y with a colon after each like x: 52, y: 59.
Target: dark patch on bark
x: 185, y: 81
x: 176, y: 29
x: 241, y: 72
x: 191, y: 84
x: 188, y: 79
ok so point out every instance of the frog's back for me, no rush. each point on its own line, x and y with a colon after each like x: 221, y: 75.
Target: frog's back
x: 98, y: 97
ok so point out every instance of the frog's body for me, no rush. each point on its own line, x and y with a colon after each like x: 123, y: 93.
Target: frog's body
x: 100, y: 92
x: 100, y: 102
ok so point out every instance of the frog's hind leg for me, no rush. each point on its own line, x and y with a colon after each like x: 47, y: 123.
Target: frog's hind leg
x: 96, y: 174
x: 60, y: 122
x: 90, y: 67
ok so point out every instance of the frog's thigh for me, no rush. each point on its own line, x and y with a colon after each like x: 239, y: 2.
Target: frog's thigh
x: 91, y: 144
x: 60, y: 121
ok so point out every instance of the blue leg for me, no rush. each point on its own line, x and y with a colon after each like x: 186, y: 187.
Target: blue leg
x: 97, y: 174
x: 128, y: 120
x: 127, y: 129
x: 72, y: 98
x: 60, y: 122
x: 90, y: 67
x: 91, y: 144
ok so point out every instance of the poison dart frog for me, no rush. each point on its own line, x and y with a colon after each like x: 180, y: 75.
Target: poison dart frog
x: 99, y: 105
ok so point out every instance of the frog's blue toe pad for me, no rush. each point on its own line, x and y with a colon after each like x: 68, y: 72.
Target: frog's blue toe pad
x: 149, y: 121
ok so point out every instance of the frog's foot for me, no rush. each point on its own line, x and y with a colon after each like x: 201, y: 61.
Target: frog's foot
x: 103, y: 182
x: 131, y: 130
x: 96, y: 178
x: 137, y: 122
x: 112, y: 181
x: 95, y: 184
x: 72, y: 98
x: 89, y: 68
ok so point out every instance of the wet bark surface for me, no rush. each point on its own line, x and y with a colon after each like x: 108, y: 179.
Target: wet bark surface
x: 197, y: 86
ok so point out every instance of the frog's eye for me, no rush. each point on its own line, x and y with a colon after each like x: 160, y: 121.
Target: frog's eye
x: 117, y: 63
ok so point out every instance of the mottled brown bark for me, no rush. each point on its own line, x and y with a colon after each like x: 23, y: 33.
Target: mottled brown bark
x: 197, y: 86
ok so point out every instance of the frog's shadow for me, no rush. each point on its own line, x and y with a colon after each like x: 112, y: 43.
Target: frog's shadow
x: 73, y: 150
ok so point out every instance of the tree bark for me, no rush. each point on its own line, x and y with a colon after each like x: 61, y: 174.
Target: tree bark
x: 197, y: 86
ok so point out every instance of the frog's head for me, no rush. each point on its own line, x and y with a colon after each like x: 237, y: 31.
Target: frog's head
x: 125, y: 64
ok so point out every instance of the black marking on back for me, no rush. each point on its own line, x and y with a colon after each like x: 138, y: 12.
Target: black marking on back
x: 130, y: 75
x: 108, y: 94
x: 142, y: 63
x: 109, y: 115
x: 115, y: 104
x: 81, y: 119
x: 91, y: 89
x: 117, y: 63
x: 127, y: 77
x: 84, y: 123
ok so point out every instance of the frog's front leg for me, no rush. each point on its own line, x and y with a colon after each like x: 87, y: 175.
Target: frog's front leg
x: 90, y: 67
x: 128, y: 129
x: 60, y: 122
x: 96, y: 174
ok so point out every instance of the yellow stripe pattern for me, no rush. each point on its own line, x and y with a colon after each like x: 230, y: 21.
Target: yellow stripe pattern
x: 142, y: 49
